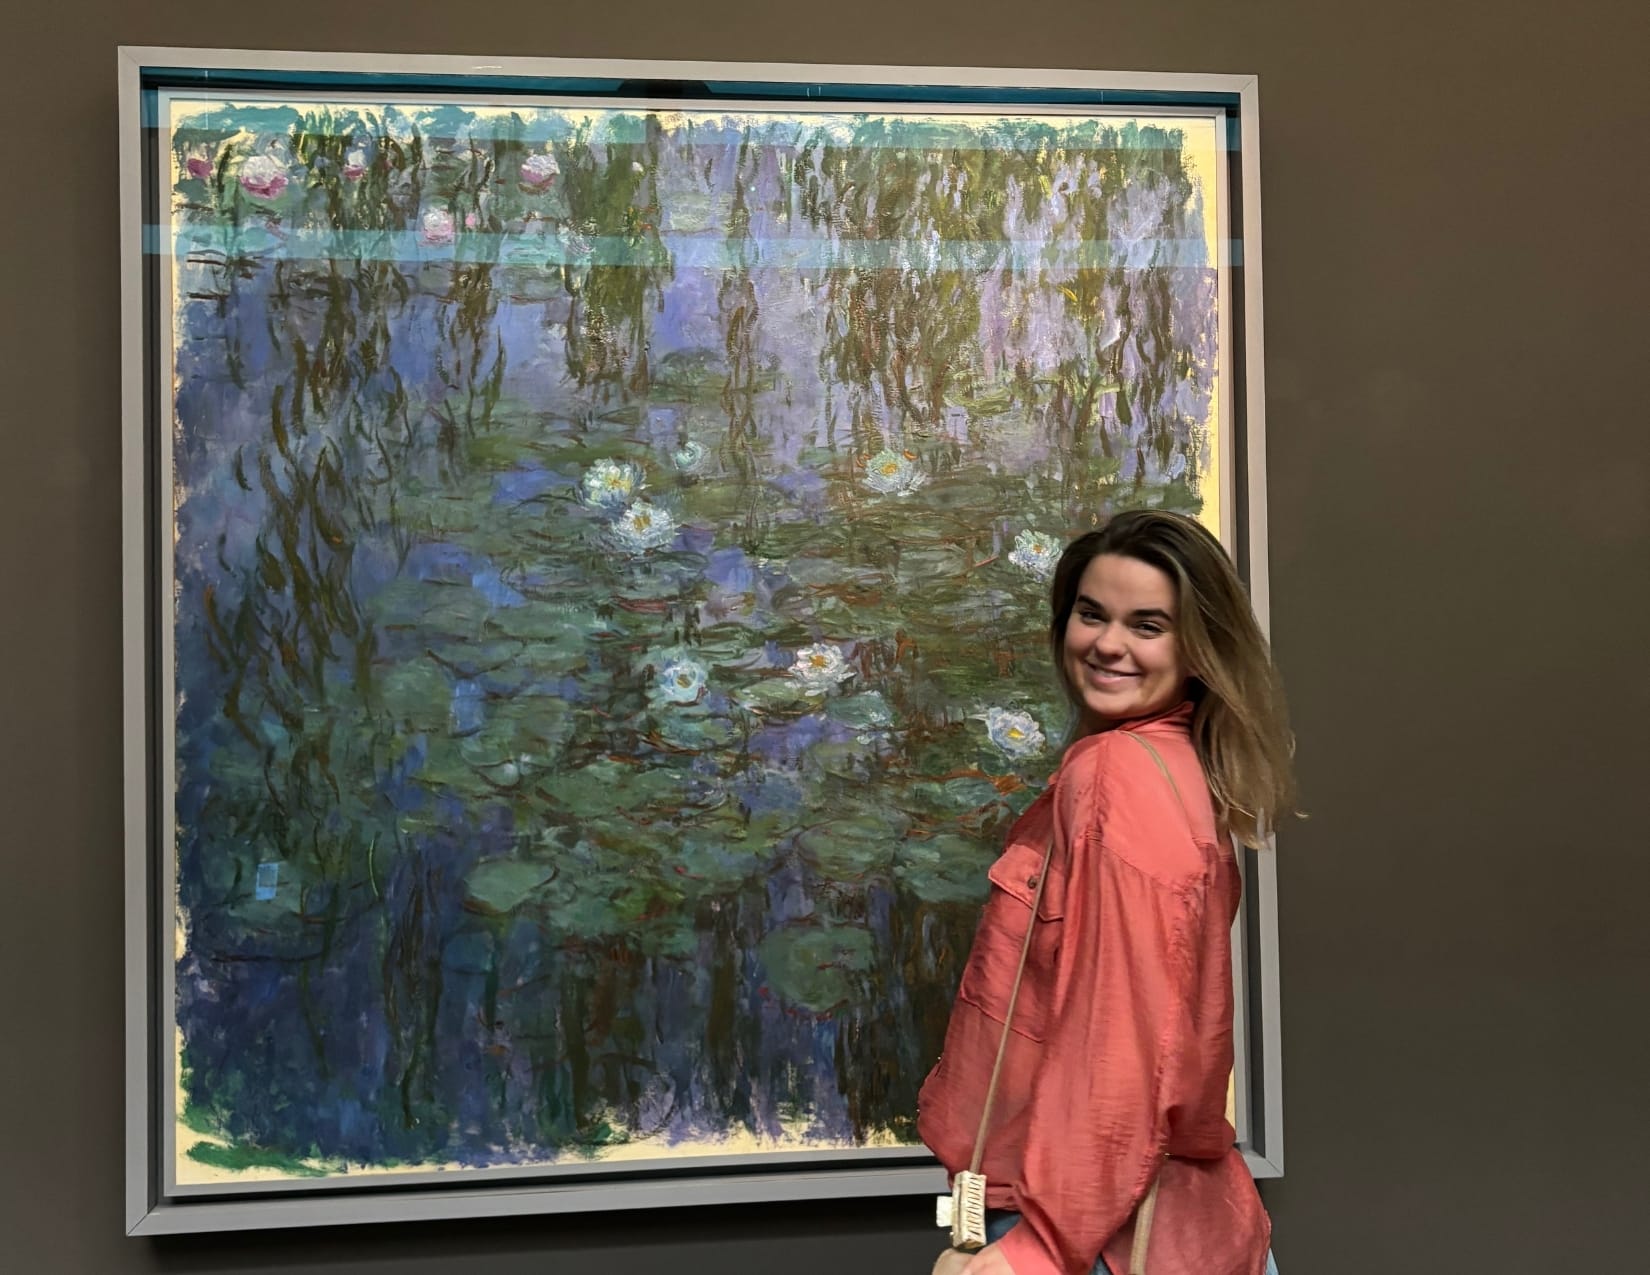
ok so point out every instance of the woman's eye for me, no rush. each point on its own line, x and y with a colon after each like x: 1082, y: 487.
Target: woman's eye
x: 1147, y: 630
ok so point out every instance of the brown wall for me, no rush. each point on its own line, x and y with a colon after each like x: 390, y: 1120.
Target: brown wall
x: 1460, y: 504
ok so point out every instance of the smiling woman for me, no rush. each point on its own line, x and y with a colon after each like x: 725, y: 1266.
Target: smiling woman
x: 1085, y: 1063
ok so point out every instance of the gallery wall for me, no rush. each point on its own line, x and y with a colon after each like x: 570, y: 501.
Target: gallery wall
x: 1460, y: 531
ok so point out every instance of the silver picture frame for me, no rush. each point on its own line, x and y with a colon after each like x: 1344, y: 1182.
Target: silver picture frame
x: 152, y: 1207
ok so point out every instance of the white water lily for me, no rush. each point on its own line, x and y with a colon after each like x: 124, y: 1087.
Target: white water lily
x: 611, y: 483
x: 1035, y: 552
x: 643, y: 527
x: 1016, y: 733
x: 893, y: 474
x: 820, y: 667
x: 689, y: 456
x: 509, y: 772
x: 682, y: 682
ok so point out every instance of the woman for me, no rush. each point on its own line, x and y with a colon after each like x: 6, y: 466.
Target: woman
x: 1114, y: 1076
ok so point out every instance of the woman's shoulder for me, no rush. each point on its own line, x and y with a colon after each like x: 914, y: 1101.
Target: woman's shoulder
x: 1111, y: 780
x: 1096, y: 760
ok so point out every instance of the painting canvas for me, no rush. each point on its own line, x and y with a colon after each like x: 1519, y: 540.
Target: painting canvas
x: 604, y: 557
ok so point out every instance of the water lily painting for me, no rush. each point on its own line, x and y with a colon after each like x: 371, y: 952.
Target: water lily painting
x: 606, y: 557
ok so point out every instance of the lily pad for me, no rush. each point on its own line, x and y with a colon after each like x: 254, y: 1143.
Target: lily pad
x: 853, y: 845
x: 417, y: 691
x: 777, y: 694
x: 946, y: 869
x: 501, y: 885
x: 862, y: 711
x: 686, y: 728
x: 557, y: 624
x: 845, y: 759
x: 956, y: 796
x: 817, y: 967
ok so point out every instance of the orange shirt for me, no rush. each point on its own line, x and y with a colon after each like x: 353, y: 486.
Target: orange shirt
x: 1121, y: 1044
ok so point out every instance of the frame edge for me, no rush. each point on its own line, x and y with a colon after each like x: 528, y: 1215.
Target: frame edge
x: 655, y: 68
x: 139, y: 1183
x: 1270, y: 1028
x: 432, y: 1204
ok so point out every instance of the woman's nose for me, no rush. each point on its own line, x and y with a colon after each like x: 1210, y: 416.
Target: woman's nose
x: 1109, y: 640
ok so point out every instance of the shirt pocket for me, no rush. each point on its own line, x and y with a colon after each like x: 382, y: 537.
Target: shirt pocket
x: 988, y: 978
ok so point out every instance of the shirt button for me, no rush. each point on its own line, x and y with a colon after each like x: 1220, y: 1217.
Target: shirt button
x: 1033, y: 879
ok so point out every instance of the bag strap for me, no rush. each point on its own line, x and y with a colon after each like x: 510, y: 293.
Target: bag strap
x: 1013, y: 998
x: 1162, y: 766
x: 1148, y: 1206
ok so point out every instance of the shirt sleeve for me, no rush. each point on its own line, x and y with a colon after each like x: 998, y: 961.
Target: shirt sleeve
x: 1120, y: 1036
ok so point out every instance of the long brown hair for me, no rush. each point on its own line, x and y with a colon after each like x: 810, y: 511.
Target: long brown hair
x: 1240, y: 724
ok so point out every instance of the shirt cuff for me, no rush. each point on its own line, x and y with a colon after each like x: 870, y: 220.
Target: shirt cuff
x: 1025, y: 1252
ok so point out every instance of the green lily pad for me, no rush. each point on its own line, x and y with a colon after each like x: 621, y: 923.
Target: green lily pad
x: 501, y: 885
x: 686, y: 728
x: 707, y: 865
x: 817, y: 967
x: 587, y: 900
x: 777, y: 694
x: 847, y: 759
x: 416, y: 691
x: 549, y: 624
x: 946, y: 869
x: 850, y: 846
x: 954, y: 797
x: 862, y: 711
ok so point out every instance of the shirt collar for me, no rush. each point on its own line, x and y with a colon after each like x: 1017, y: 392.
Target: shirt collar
x: 1176, y: 720
x: 1171, y: 721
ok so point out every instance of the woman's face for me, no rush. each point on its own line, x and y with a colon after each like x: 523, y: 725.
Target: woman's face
x: 1120, y: 653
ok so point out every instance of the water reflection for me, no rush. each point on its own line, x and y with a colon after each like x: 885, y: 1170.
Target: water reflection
x: 599, y: 540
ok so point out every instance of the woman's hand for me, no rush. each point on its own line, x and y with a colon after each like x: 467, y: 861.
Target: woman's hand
x: 953, y: 1261
x: 990, y: 1261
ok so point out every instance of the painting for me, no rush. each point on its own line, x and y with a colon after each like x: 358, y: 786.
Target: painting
x: 603, y: 559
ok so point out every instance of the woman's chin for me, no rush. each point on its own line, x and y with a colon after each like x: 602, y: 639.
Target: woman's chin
x: 1108, y: 708
x: 1100, y: 715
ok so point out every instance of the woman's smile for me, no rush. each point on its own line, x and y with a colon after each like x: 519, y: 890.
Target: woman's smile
x: 1108, y: 678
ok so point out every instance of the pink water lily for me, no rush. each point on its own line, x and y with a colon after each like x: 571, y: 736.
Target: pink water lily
x: 355, y: 164
x: 199, y: 168
x: 436, y: 226
x: 263, y: 177
x: 538, y: 171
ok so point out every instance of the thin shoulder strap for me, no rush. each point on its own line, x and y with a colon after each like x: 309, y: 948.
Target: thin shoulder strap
x: 1013, y: 998
x: 1162, y: 766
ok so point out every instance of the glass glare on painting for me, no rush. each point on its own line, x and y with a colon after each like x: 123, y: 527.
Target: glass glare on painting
x: 609, y: 558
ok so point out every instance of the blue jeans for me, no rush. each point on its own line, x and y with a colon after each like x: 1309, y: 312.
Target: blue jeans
x: 997, y: 1224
